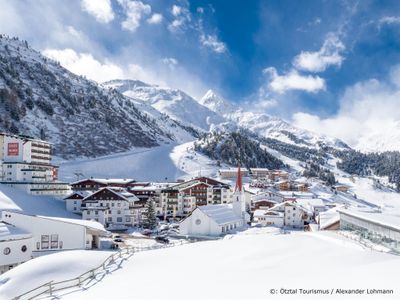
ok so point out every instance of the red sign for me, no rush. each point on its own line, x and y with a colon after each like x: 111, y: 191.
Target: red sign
x: 13, y: 149
x: 55, y: 173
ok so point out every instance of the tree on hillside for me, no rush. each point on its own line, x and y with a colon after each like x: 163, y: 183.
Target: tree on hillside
x: 150, y: 219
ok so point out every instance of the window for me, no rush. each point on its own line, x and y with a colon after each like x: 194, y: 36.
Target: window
x: 74, y: 202
x: 119, y: 219
x: 119, y: 212
x: 7, y: 251
x: 54, y: 241
x: 128, y: 219
x: 45, y: 241
x: 74, y: 208
x: 109, y: 219
x: 38, y: 245
x: 24, y: 248
x: 96, y: 212
x: 112, y: 204
x: 61, y: 244
x: 223, y: 229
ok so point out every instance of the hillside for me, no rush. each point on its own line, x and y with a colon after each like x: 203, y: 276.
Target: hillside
x: 234, y: 148
x: 40, y: 98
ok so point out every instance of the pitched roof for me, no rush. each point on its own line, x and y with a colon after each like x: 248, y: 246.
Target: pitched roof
x: 108, y: 181
x: 120, y: 192
x: 221, y: 213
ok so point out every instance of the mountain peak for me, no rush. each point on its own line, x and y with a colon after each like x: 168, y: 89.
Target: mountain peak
x: 216, y: 103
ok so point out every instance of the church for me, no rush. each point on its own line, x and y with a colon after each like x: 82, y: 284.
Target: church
x: 216, y: 220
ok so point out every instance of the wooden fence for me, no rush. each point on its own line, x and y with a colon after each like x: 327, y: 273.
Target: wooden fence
x: 50, y: 287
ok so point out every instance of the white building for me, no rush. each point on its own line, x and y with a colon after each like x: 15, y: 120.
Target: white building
x: 259, y: 172
x: 15, y: 246
x: 115, y: 208
x: 218, y: 219
x: 26, y: 164
x: 231, y: 173
x: 211, y: 220
x: 285, y: 214
x: 73, y: 202
x: 268, y: 218
x: 54, y: 234
x: 315, y: 205
x: 384, y: 228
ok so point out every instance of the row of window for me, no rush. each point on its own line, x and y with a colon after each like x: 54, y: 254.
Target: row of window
x: 49, y: 242
x: 228, y: 227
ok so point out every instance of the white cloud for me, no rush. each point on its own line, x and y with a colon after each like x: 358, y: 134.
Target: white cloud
x: 100, y: 9
x: 389, y: 20
x: 169, y: 61
x: 85, y: 64
x: 212, y: 42
x: 293, y: 81
x: 176, y: 10
x: 155, y: 19
x: 368, y: 113
x: 134, y: 11
x: 319, y: 61
x: 181, y: 16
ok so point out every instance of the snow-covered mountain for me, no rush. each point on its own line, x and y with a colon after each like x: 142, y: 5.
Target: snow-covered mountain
x: 175, y: 103
x: 266, y: 125
x: 42, y: 99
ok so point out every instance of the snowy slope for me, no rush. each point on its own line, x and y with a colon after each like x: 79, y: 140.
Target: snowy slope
x: 175, y: 103
x: 246, y: 266
x: 58, y: 266
x: 163, y: 163
x: 18, y: 200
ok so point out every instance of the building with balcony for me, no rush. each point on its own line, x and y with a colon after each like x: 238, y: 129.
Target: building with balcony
x: 26, y: 164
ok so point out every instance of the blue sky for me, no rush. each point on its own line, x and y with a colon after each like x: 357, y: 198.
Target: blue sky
x: 296, y: 59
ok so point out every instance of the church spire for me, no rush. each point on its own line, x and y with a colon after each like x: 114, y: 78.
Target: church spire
x: 238, y: 180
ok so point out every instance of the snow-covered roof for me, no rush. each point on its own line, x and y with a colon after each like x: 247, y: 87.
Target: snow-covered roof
x: 107, y: 180
x: 259, y: 169
x: 310, y: 202
x: 296, y: 194
x: 383, y: 219
x: 10, y: 232
x: 83, y: 194
x: 221, y: 213
x: 88, y: 224
x: 121, y: 192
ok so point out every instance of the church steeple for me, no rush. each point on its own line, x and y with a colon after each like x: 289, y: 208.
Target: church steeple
x: 238, y: 201
x: 239, y: 180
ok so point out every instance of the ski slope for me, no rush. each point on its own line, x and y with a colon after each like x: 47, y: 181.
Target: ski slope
x: 243, y: 266
x: 163, y: 163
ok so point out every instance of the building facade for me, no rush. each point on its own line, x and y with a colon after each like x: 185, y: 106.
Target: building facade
x: 26, y: 164
x: 115, y: 208
x: 15, y: 246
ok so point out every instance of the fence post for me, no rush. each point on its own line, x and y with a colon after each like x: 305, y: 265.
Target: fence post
x: 50, y: 289
x: 79, y: 281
